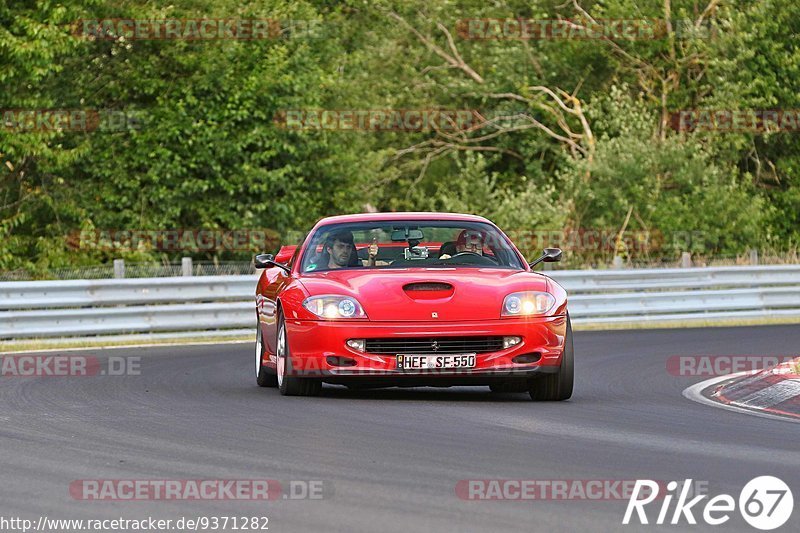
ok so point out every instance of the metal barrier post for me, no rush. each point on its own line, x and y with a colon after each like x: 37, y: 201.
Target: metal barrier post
x: 186, y: 266
x: 119, y: 268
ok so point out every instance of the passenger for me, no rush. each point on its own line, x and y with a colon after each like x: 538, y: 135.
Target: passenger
x: 469, y: 241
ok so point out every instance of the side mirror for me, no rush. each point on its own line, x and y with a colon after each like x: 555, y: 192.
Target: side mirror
x: 550, y: 255
x: 268, y: 261
x: 263, y: 260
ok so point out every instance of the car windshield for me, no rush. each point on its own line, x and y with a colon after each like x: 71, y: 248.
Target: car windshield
x: 408, y: 244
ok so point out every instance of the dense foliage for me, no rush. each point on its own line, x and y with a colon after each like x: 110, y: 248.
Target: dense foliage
x: 576, y: 134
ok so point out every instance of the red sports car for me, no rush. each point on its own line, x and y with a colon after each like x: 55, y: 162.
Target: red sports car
x: 411, y: 299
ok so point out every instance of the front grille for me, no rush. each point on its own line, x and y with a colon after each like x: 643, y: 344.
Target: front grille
x: 434, y: 345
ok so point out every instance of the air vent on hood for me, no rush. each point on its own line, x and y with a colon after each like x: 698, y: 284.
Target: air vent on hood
x: 428, y: 286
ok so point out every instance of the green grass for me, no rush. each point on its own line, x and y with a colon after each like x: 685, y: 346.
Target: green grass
x: 56, y: 344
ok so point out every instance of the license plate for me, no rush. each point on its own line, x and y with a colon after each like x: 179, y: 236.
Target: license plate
x: 435, y: 362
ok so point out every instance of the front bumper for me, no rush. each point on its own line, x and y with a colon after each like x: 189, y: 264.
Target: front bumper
x: 311, y: 343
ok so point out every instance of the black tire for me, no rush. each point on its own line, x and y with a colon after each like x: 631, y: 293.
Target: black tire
x: 264, y: 376
x: 290, y: 385
x: 557, y: 387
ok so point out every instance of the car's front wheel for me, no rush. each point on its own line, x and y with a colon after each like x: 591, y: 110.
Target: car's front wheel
x: 289, y: 385
x: 264, y: 377
x: 558, y: 386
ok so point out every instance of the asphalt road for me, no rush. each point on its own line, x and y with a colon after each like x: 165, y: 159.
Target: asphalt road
x: 389, y: 460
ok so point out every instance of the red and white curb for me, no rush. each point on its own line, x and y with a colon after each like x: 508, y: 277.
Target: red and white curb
x: 772, y: 393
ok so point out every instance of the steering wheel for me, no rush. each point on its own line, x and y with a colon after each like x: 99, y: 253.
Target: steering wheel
x: 486, y: 260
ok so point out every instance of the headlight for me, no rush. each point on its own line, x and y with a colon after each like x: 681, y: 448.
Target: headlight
x: 331, y: 306
x: 527, y: 303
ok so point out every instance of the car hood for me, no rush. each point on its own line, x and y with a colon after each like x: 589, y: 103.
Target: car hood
x: 385, y: 295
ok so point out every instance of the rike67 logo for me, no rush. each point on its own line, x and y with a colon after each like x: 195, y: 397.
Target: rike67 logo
x: 765, y: 503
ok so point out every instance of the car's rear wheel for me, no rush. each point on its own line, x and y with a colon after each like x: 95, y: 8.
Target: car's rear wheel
x: 558, y: 386
x: 289, y: 385
x: 264, y: 377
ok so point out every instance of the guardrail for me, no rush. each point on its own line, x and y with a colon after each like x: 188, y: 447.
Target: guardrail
x: 37, y: 309
x: 607, y: 296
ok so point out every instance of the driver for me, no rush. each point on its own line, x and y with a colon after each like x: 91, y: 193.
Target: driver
x: 340, y: 249
x: 468, y: 240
